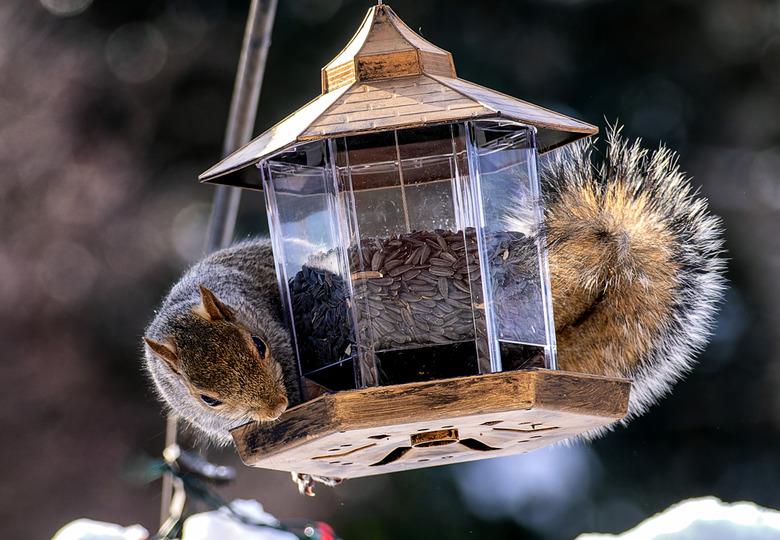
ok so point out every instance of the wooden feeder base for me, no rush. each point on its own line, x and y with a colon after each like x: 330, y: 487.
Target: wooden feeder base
x: 385, y: 429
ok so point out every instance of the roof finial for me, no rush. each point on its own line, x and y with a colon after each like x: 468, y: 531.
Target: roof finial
x: 378, y: 2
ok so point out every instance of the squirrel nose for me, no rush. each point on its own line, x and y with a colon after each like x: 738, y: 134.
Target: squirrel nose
x: 277, y: 411
x: 269, y: 412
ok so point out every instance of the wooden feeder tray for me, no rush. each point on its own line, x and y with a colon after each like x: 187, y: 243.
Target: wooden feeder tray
x: 384, y: 429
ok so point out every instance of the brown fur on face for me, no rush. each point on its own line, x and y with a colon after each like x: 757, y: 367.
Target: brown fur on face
x: 216, y: 357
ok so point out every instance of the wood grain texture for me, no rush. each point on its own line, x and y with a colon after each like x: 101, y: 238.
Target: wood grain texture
x: 339, y: 76
x: 437, y: 64
x: 388, y: 77
x: 383, y: 47
x: 377, y: 430
x: 388, y: 65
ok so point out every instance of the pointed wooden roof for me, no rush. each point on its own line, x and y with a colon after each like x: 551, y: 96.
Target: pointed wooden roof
x: 384, y: 47
x: 389, y: 77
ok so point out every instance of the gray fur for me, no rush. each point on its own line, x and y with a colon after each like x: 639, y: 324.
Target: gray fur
x: 244, y: 278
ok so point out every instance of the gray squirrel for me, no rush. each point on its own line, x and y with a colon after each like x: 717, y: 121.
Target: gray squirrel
x: 636, y: 273
x: 217, y: 349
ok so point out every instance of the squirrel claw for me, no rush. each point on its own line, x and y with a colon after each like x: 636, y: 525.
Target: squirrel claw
x: 305, y: 482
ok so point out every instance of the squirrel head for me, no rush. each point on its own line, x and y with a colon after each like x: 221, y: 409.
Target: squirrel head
x: 227, y: 370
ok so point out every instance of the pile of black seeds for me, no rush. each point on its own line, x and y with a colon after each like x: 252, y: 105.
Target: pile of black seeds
x: 416, y: 289
x: 322, y: 319
x: 412, y: 290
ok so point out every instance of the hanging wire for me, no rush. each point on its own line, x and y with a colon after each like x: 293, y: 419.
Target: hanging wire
x: 192, y: 477
x: 241, y: 120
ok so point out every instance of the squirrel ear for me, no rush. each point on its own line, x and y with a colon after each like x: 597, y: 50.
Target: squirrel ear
x: 210, y: 307
x: 165, y: 351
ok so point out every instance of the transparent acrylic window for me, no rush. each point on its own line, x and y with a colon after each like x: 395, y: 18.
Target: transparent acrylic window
x: 414, y: 322
x: 511, y: 249
x: 303, y: 208
x: 427, y: 170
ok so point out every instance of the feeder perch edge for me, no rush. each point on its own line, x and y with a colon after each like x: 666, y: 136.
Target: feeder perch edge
x: 355, y: 433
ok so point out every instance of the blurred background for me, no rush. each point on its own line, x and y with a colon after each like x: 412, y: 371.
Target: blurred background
x: 108, y: 112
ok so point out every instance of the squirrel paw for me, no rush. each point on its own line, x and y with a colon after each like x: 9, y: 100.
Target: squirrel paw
x: 306, y: 482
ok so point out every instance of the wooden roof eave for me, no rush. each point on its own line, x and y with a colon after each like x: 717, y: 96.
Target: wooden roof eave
x: 258, y: 148
x: 572, y: 125
x: 568, y: 138
x: 554, y: 129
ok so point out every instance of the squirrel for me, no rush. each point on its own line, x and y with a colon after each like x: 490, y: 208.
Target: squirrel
x: 217, y: 349
x: 636, y: 275
x: 636, y: 265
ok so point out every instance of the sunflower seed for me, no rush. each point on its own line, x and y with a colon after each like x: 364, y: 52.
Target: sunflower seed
x: 444, y: 272
x: 442, y: 283
x: 376, y: 261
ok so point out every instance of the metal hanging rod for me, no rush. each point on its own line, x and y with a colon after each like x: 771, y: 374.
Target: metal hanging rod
x: 241, y: 120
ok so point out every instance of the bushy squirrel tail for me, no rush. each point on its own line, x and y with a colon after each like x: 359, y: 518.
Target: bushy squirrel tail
x: 636, y: 265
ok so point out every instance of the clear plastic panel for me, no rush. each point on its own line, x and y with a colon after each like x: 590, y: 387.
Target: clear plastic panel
x: 427, y: 172
x: 412, y: 255
x: 511, y: 247
x: 305, y: 230
x: 467, y: 195
x: 409, y: 260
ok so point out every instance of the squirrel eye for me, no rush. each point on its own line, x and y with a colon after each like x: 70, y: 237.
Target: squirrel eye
x: 210, y: 401
x: 261, y: 348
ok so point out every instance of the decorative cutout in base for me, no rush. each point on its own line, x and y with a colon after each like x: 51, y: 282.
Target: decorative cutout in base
x: 392, y: 428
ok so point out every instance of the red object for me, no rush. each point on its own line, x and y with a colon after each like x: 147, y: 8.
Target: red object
x: 326, y: 531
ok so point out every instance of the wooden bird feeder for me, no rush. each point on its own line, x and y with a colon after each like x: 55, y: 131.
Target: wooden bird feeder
x: 404, y: 211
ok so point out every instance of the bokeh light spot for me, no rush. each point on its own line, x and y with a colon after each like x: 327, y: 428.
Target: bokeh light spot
x: 65, y: 8
x: 136, y: 52
x: 537, y: 490
x: 188, y: 230
x: 67, y: 271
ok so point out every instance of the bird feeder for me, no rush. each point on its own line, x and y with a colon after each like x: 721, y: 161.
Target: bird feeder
x: 404, y: 212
